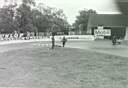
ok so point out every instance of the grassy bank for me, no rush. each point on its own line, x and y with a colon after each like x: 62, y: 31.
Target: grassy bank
x: 41, y: 67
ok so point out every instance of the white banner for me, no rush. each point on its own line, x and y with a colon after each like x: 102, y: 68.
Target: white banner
x: 104, y: 32
x: 76, y: 37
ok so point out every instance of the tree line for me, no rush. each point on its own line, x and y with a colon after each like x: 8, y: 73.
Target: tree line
x: 32, y: 17
x: 81, y: 22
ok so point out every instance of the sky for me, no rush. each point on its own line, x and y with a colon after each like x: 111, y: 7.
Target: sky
x: 72, y: 7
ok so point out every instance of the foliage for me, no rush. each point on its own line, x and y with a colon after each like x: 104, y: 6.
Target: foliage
x: 24, y: 18
x: 54, y: 18
x: 82, y: 20
x: 28, y: 2
x: 7, y: 19
x: 29, y: 17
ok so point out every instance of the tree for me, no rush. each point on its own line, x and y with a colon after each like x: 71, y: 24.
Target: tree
x: 57, y: 19
x: 7, y: 16
x: 28, y: 2
x: 24, y: 16
x: 40, y: 21
x: 81, y: 22
x: 52, y: 19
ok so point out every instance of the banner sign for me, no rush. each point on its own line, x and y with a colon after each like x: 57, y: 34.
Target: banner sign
x: 104, y: 32
x: 76, y: 37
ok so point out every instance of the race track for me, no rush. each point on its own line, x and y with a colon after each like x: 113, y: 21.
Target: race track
x: 101, y: 46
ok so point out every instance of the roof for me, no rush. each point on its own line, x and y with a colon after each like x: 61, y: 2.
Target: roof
x: 122, y: 6
x: 108, y: 20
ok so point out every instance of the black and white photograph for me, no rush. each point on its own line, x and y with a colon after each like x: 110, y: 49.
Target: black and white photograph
x: 63, y: 43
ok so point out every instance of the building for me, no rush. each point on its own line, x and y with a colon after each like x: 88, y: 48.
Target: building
x: 116, y: 22
x: 122, y: 6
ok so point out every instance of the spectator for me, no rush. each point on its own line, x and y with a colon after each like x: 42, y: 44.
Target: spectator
x: 114, y: 40
x: 64, y: 40
x: 53, y: 42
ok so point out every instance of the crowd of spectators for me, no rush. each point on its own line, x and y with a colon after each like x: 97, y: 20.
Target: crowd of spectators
x: 19, y: 36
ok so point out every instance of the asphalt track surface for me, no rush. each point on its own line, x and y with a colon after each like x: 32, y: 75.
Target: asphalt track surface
x: 101, y: 46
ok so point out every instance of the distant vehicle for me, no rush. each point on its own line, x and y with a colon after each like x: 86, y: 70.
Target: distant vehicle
x: 119, y: 41
x: 116, y: 40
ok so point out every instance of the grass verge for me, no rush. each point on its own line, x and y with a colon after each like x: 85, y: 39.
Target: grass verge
x: 62, y: 68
